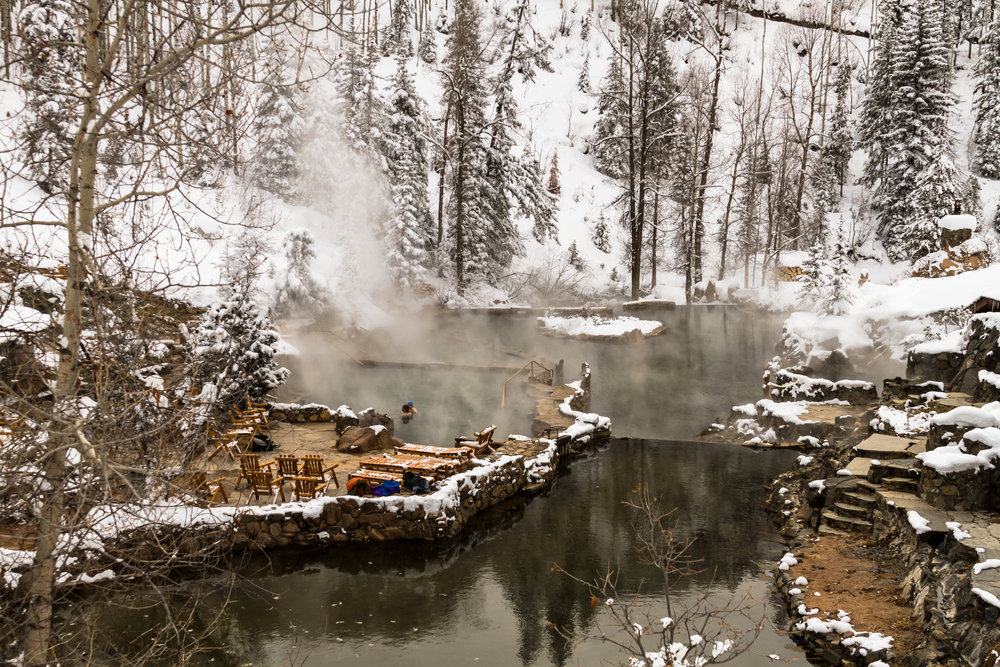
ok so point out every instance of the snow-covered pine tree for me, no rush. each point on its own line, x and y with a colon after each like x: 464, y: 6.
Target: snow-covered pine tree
x: 575, y: 259
x: 839, y: 294
x: 601, y: 235
x: 298, y: 291
x: 428, y: 46
x: 838, y: 150
x: 405, y: 253
x: 585, y: 22
x: 397, y: 33
x: 279, y: 126
x: 986, y: 104
x: 583, y: 83
x: 879, y: 98
x: 916, y: 133
x: 409, y: 227
x: 463, y: 74
x: 608, y: 146
x: 50, y: 67
x: 553, y: 186
x: 815, y: 279
x: 233, y: 348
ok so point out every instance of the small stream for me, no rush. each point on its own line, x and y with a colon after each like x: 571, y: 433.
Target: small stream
x: 489, y: 598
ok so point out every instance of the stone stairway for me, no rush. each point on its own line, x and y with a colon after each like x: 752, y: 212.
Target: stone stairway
x: 884, y: 482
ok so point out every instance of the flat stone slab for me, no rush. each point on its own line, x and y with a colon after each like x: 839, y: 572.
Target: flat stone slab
x: 859, y: 466
x: 887, y: 446
x: 907, y: 502
x: 828, y: 413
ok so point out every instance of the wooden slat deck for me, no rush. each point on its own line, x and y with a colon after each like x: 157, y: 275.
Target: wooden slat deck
x: 376, y: 476
x: 421, y: 465
x: 460, y: 453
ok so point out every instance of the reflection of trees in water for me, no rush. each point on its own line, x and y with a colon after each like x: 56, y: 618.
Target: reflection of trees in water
x: 718, y: 490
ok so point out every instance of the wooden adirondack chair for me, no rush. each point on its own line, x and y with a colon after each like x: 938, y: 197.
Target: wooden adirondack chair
x: 262, y: 483
x: 242, y: 436
x: 288, y: 466
x: 306, y: 488
x: 250, y: 463
x: 312, y: 466
x: 484, y: 439
x: 208, y: 490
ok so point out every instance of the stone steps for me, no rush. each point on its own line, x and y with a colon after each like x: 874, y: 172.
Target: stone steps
x: 860, y: 498
x: 825, y: 530
x: 848, y: 523
x: 908, y: 484
x: 853, y: 511
x: 886, y: 447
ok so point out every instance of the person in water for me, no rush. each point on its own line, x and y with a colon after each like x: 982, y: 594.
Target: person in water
x: 409, y: 412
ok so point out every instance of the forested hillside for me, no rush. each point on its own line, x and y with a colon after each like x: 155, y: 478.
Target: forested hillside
x: 487, y: 151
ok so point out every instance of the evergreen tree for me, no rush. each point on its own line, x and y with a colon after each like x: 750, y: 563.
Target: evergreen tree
x: 583, y: 83
x: 914, y: 144
x: 602, y: 235
x: 815, y: 278
x: 986, y: 104
x: 428, y: 46
x: 397, y: 33
x: 839, y: 148
x: 279, y: 125
x: 839, y: 293
x: 588, y: 17
x: 575, y: 260
x: 554, y: 187
x: 49, y: 83
x: 409, y: 228
x: 610, y: 131
x: 879, y: 100
x: 233, y: 348
x: 464, y: 79
x: 298, y: 290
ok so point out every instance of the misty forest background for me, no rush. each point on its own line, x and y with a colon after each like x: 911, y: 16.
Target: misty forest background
x: 492, y: 152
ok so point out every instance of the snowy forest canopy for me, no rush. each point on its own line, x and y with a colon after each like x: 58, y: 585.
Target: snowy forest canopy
x: 492, y: 150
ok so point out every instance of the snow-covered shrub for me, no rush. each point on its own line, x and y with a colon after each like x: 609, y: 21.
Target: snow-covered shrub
x: 299, y: 291
x: 233, y: 348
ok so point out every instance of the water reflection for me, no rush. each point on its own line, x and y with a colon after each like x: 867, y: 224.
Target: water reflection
x: 492, y: 595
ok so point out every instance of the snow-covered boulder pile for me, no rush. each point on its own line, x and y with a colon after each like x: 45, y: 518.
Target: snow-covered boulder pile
x: 800, y: 383
x: 980, y: 372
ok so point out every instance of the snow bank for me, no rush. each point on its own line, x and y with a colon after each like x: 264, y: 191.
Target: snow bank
x: 597, y: 326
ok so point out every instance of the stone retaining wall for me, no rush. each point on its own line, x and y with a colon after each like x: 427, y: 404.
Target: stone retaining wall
x: 344, y: 519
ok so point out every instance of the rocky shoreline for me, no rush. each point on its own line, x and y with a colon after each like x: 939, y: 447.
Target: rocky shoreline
x: 907, y: 475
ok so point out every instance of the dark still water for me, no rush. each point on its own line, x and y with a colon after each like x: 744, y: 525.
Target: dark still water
x: 489, y: 598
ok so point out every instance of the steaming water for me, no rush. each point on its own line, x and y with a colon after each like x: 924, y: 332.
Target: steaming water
x: 489, y: 598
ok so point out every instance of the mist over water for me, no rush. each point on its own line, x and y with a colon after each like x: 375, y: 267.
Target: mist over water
x: 489, y: 597
x: 669, y: 387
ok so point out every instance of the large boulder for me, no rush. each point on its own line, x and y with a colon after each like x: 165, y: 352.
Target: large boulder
x: 344, y: 418
x: 369, y: 417
x: 361, y: 439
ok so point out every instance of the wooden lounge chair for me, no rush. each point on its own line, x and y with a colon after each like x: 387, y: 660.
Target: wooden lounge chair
x: 208, y: 490
x: 483, y: 441
x: 306, y: 488
x: 424, y: 466
x: 263, y: 483
x: 250, y: 463
x: 460, y: 454
x: 312, y: 466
